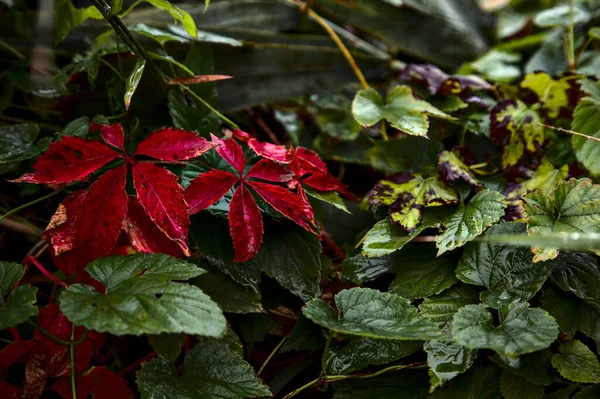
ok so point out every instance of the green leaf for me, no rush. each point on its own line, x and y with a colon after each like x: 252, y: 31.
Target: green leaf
x: 508, y: 272
x: 370, y: 313
x: 361, y: 269
x: 211, y: 370
x: 498, y: 66
x: 419, y: 273
x: 305, y: 335
x: 68, y: 17
x: 586, y: 120
x: 561, y: 16
x: 182, y: 16
x: 77, y: 127
x: 160, y: 35
x: 514, y: 387
x: 470, y: 220
x: 331, y: 197
x: 577, y: 362
x: 535, y: 367
x: 573, y: 208
x: 167, y: 345
x: 552, y: 94
x: 385, y: 238
x: 594, y: 33
x: 133, y: 80
x: 447, y: 360
x: 410, y: 384
x: 361, y: 352
x: 545, y: 178
x: 231, y: 296
x: 408, y: 154
x: 402, y: 110
x: 592, y: 392
x: 407, y: 194
x: 442, y: 307
x: 522, y: 331
x: 17, y: 142
x: 578, y: 273
x: 20, y: 304
x: 572, y: 314
x: 140, y: 298
x: 477, y: 383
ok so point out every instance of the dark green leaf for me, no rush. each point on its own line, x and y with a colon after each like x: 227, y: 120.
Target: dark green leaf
x: 411, y: 384
x: 133, y: 80
x: 141, y: 298
x: 370, y: 313
x: 305, y: 335
x: 211, y: 370
x: 578, y: 273
x: 17, y: 143
x: 167, y: 345
x: 535, y: 367
x: 477, y: 383
x: 586, y: 120
x: 20, y: 304
x: 409, y: 154
x: 514, y: 387
x: 447, y: 360
x: 68, y: 17
x: 77, y: 127
x: 442, y: 307
x: 577, y: 362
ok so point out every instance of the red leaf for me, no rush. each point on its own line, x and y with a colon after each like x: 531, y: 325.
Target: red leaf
x: 277, y: 153
x: 207, y: 189
x: 98, y: 383
x: 231, y: 152
x: 101, y: 214
x: 307, y: 208
x: 266, y: 169
x: 245, y: 225
x: 163, y: 200
x: 60, y: 232
x: 241, y: 135
x: 10, y: 391
x: 113, y: 135
x: 198, y: 79
x: 143, y: 233
x: 310, y: 160
x: 69, y: 159
x: 322, y: 182
x: 285, y: 202
x: 171, y: 144
x: 13, y: 353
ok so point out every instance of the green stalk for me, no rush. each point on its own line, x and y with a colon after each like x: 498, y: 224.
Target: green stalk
x: 72, y: 351
x: 17, y: 209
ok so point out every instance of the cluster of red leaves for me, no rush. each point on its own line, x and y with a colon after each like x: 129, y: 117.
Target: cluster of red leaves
x: 45, y: 359
x: 89, y: 222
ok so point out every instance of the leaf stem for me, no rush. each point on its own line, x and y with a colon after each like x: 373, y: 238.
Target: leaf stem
x: 560, y: 129
x: 334, y: 36
x: 6, y: 341
x: 35, y: 201
x: 72, y: 351
x: 273, y: 352
x: 45, y: 272
x: 326, y: 354
x: 210, y: 107
x: 119, y: 75
x: 571, y: 54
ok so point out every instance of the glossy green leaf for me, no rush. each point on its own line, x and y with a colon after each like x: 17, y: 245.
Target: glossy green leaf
x: 305, y: 335
x: 361, y: 352
x: 77, y: 127
x: 370, y: 313
x: 18, y: 142
x: 167, y: 345
x: 442, y: 307
x: 361, y: 269
x: 573, y: 208
x: 68, y: 17
x: 402, y: 110
x: 586, y: 120
x: 160, y: 35
x: 471, y: 220
x: 577, y: 362
x: 515, y: 387
x: 419, y: 273
x: 578, y: 273
x: 561, y: 16
x: 141, y: 298
x: 180, y: 15
x: 211, y: 370
x: 447, y: 360
x: 522, y: 331
x: 476, y: 383
x: 507, y: 272
x: 331, y: 197
x: 133, y: 80
x: 17, y: 304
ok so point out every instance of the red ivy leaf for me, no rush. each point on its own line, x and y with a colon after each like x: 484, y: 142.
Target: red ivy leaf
x: 207, y: 189
x: 310, y: 214
x: 162, y: 198
x: 198, y: 79
x: 266, y: 169
x: 113, y: 135
x: 13, y: 353
x: 245, y: 225
x: 98, y: 383
x: 284, y: 201
x: 144, y: 235
x: 101, y: 214
x: 231, y: 152
x: 10, y: 391
x: 60, y: 232
x: 322, y: 182
x: 171, y: 144
x: 277, y: 153
x: 69, y: 159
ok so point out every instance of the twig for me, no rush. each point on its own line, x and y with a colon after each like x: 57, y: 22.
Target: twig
x: 48, y: 126
x: 72, y: 352
x: 210, y: 107
x: 20, y: 227
x: 45, y: 272
x: 35, y: 201
x: 570, y: 132
x: 273, y: 352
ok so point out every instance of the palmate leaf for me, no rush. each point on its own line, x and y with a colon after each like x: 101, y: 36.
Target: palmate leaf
x: 402, y: 110
x: 370, y: 313
x: 523, y: 330
x: 573, y: 208
x: 508, y: 272
x: 586, y: 120
x: 577, y: 362
x: 19, y: 305
x: 211, y: 370
x: 141, y: 298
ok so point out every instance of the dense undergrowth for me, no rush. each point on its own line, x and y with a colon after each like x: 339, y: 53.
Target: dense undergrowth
x: 331, y: 199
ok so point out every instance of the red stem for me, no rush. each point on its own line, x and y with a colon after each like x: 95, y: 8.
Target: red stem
x: 137, y: 363
x: 45, y: 272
